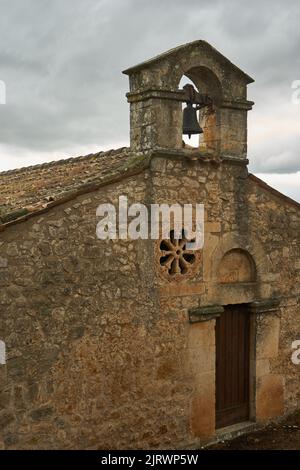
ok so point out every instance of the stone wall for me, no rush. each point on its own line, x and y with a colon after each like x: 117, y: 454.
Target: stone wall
x: 75, y: 316
x: 100, y: 351
x: 240, y: 217
x: 276, y: 223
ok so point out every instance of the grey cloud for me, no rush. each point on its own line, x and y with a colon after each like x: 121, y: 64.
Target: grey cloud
x: 280, y: 155
x: 62, y: 62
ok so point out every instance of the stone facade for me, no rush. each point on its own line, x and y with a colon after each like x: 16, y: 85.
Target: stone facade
x: 102, y: 349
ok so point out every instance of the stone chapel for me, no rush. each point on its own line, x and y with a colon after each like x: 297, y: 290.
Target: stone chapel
x: 139, y: 344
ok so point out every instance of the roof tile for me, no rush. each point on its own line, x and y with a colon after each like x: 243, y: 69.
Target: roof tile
x: 32, y: 188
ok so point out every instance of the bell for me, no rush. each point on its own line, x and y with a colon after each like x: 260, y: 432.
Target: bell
x: 190, y: 121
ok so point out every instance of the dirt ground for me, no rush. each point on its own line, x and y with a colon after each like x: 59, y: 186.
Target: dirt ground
x: 282, y: 436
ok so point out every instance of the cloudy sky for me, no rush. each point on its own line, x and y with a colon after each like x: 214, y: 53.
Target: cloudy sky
x: 61, y: 61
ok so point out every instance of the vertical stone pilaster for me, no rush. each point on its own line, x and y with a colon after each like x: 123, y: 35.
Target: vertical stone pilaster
x: 269, y: 396
x: 155, y: 120
x: 233, y: 128
x: 202, y: 366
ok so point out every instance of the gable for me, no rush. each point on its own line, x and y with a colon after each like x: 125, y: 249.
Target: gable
x: 276, y: 196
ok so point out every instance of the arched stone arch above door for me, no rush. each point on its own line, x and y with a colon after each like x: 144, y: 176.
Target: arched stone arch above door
x: 248, y: 254
x: 237, y: 265
x: 236, y: 271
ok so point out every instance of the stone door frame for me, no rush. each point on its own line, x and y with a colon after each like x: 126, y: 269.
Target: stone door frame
x: 266, y: 388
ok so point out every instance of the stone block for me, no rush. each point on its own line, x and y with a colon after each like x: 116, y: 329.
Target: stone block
x: 202, y: 420
x: 182, y: 289
x: 213, y: 227
x: 3, y: 262
x: 268, y: 330
x: 269, y: 397
x: 6, y: 418
x: 262, y: 367
x: 41, y: 413
x: 159, y: 164
x: 201, y: 348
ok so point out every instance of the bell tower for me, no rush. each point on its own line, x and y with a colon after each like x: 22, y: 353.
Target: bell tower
x: 156, y: 117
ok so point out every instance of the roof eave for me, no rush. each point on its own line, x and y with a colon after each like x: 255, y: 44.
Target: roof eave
x: 157, y: 58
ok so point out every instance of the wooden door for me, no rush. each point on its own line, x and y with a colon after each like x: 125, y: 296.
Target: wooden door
x: 232, y: 366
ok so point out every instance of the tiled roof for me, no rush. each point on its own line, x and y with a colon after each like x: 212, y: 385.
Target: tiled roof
x: 37, y: 188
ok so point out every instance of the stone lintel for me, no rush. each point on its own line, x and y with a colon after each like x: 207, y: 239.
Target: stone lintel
x: 143, y: 95
x: 206, y: 313
x: 264, y: 306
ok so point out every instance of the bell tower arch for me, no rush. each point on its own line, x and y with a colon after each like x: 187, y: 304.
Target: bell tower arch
x: 156, y: 100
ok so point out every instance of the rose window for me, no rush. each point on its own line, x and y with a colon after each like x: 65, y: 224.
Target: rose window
x: 175, y: 259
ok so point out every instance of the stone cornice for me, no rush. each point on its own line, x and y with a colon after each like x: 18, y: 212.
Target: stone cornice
x: 205, y: 313
x: 180, y: 95
x: 189, y: 154
x: 152, y: 93
x: 264, y: 306
x: 235, y: 160
x: 243, y: 105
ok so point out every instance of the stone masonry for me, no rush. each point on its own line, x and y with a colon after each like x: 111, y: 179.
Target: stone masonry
x: 105, y: 350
